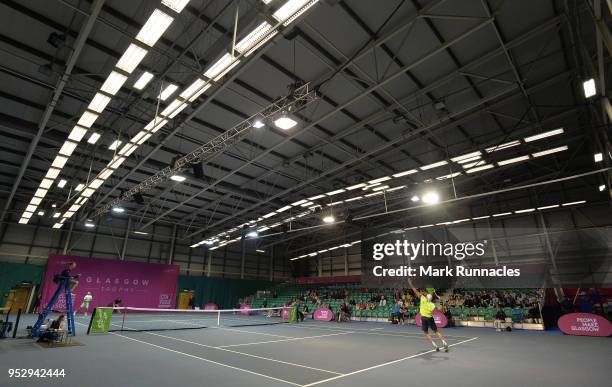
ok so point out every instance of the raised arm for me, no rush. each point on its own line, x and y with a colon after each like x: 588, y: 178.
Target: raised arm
x: 415, y: 290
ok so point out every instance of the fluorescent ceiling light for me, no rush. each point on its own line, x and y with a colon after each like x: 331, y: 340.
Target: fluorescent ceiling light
x: 24, y: 221
x: 141, y: 233
x: 512, y: 160
x: 408, y: 172
x: 118, y: 210
x: 68, y: 148
x: 292, y: 9
x: 41, y: 192
x: 299, y: 202
x: 87, y: 119
x: 573, y: 203
x: 431, y: 197
x: 97, y: 183
x: 598, y: 157
x: 98, y: 103
x: 194, y: 90
x: 329, y: 219
x: 306, y: 204
x: 285, y: 122
x: 547, y: 207
x: 87, y: 192
x: 266, y: 216
x: 524, y: 211
x: 79, y: 187
x: 89, y: 225
x: 168, y: 91
x: 434, y: 165
x: 283, y: 209
x: 77, y: 133
x: 258, y: 124
x: 332, y: 193
x: 57, y: 214
x: 503, y: 146
x: 174, y: 108
x: 154, y: 28
x: 332, y: 204
x: 602, y: 187
x: 316, y: 197
x: 252, y: 234
x: 30, y: 208
x: 255, y: 39
x: 540, y: 136
x: 113, y: 83
x: 474, y: 164
x: 382, y: 187
x: 41, y: 213
x: 115, y: 144
x: 481, y: 168
x: 449, y: 176
x: 46, y: 183
x: 128, y: 149
x: 93, y: 138
x: 465, y: 157
x: 502, y: 214
x: 52, y: 173
x: 131, y: 58
x: 62, y: 183
x: 144, y: 138
x: 175, y: 5
x: 589, y: 88
x: 221, y: 67
x: 59, y: 161
x: 379, y: 180
x: 106, y: 173
x: 373, y: 194
x: 143, y: 81
x: 116, y: 162
x: 178, y: 178
x: 353, y: 199
x: 550, y: 151
x: 156, y: 124
x: 481, y: 217
x: 356, y: 186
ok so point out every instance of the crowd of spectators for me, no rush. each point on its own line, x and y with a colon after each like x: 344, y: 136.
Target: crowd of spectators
x: 491, y: 298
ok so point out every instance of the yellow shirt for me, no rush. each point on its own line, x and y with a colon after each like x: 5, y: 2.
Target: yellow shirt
x: 427, y: 307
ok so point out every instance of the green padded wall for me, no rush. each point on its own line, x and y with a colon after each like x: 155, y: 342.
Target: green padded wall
x: 224, y: 292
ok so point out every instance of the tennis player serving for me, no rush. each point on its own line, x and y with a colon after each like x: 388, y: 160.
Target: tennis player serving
x: 427, y: 321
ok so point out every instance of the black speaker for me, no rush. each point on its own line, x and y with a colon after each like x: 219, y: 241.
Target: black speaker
x: 138, y: 198
x: 198, y: 170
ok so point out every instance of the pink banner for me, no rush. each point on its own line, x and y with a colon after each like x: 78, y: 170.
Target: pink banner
x: 438, y: 316
x: 323, y: 314
x: 211, y: 306
x: 137, y: 284
x: 585, y: 324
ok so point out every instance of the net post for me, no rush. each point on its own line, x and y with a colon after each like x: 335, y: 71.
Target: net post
x: 91, y: 320
x: 16, y: 323
x: 123, y: 319
x: 218, y: 318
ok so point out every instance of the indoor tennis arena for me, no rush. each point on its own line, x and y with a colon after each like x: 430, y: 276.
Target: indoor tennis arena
x: 333, y: 193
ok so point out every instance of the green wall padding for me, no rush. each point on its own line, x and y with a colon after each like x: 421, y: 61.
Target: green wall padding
x: 224, y: 292
x: 12, y: 274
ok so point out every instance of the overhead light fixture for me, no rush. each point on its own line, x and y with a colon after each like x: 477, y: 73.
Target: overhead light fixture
x: 526, y: 210
x: 598, y: 157
x: 252, y: 234
x: 415, y: 198
x: 141, y: 233
x: 602, y: 187
x: 68, y: 148
x: 540, y: 136
x: 93, y: 138
x: 115, y: 144
x: 502, y: 214
x: 197, y: 88
x: 89, y: 225
x: 87, y: 119
x: 57, y: 214
x: 260, y: 250
x: 431, y: 197
x: 258, y: 124
x: 113, y: 83
x: 573, y: 203
x: 589, y: 88
x: 178, y: 178
x: 481, y: 168
x: 79, y: 187
x: 221, y: 67
x: 379, y: 180
x: 173, y: 109
x: 512, y: 160
x: 505, y: 145
x: 62, y: 183
x: 256, y: 38
x: 292, y: 9
x: 41, y: 213
x: 329, y: 219
x: 131, y: 58
x: 53, y: 205
x: 433, y: 165
x: 175, y: 5
x: 285, y: 122
x: 466, y: 157
x: 46, y: 183
x: 154, y: 28
x: 167, y: 91
x: 547, y: 207
x: 550, y: 151
x: 332, y: 193
x: 356, y: 186
x: 77, y: 133
x: 408, y: 172
x: 118, y: 210
x: 143, y: 81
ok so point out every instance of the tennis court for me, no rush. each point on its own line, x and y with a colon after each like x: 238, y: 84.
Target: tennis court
x: 308, y: 354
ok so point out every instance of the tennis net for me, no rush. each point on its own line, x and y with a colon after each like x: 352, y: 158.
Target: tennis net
x: 123, y: 319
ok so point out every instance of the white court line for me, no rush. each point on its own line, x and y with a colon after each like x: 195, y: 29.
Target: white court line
x: 380, y: 365
x: 280, y: 341
x: 245, y: 354
x: 369, y: 332
x: 207, y: 360
x: 254, y: 333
